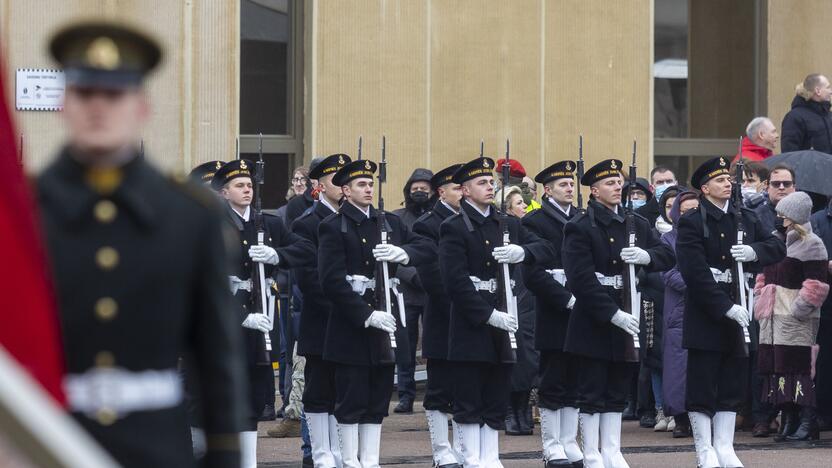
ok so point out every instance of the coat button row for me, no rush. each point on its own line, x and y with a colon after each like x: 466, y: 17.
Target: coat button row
x: 105, y: 211
x: 106, y: 309
x: 106, y: 258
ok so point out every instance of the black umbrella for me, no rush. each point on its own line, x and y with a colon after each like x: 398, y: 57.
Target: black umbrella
x: 813, y: 169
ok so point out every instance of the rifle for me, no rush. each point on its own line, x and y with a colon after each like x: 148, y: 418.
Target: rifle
x: 359, y: 148
x: 631, y: 298
x: 505, y: 296
x: 237, y: 148
x: 382, y: 293
x: 580, y: 171
x: 259, y: 287
x: 482, y: 147
x: 740, y: 285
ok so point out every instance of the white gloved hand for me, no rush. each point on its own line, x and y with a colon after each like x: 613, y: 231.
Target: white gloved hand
x: 635, y: 256
x: 390, y: 253
x: 263, y: 254
x: 626, y: 322
x: 571, y: 304
x: 260, y: 322
x: 743, y: 253
x: 509, y: 254
x: 739, y: 314
x: 503, y: 321
x: 381, y: 320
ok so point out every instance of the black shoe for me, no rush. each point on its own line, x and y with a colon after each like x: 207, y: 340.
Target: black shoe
x: 681, y: 431
x: 578, y: 464
x: 268, y: 414
x: 555, y: 463
x: 648, y: 420
x: 630, y: 412
x: 512, y: 424
x: 760, y: 429
x: 789, y: 422
x: 808, y: 428
x: 307, y: 461
x: 515, y: 415
x: 524, y: 414
x: 405, y: 406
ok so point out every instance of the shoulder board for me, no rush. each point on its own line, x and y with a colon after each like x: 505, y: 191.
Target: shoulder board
x: 639, y: 216
x: 578, y: 217
x: 424, y: 217
x: 303, y: 215
x: 200, y: 194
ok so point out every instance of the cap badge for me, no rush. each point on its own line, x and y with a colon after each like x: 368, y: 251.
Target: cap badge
x: 243, y: 164
x: 219, y: 165
x: 103, y: 53
x: 367, y: 165
x: 722, y: 162
x: 485, y: 163
x: 340, y: 159
x: 613, y: 165
x: 568, y: 166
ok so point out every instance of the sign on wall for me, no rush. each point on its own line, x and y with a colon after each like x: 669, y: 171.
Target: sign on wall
x: 39, y: 89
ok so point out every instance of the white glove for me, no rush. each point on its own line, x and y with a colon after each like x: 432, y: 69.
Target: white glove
x: 739, y: 314
x: 503, y: 321
x: 263, y: 254
x: 571, y: 304
x: 635, y: 256
x: 626, y: 322
x: 390, y: 253
x: 509, y: 254
x: 381, y: 320
x: 743, y: 253
x: 260, y: 322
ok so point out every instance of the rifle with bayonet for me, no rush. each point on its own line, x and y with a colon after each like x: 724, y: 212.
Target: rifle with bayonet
x: 259, y: 286
x: 382, y: 291
x: 580, y: 171
x: 630, y: 296
x: 505, y: 295
x: 740, y: 285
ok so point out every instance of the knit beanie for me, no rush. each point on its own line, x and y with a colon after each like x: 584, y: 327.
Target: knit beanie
x: 796, y: 206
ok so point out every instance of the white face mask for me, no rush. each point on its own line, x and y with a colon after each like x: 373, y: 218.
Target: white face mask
x: 748, y: 192
x: 659, y: 190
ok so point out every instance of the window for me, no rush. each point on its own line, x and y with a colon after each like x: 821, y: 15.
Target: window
x: 271, y: 67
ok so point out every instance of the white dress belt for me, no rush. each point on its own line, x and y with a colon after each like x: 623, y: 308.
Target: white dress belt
x: 558, y: 275
x: 616, y: 281
x: 121, y: 391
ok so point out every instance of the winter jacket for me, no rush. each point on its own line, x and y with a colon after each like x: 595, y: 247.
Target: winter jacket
x: 414, y: 294
x: 807, y: 126
x: 674, y: 356
x: 752, y: 151
x: 787, y: 305
x: 822, y: 227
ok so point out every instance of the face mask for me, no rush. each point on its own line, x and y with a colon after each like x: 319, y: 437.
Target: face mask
x: 778, y: 225
x: 638, y: 204
x: 660, y: 190
x: 420, y: 197
x: 748, y: 192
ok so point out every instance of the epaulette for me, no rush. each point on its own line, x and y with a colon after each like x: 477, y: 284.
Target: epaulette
x: 424, y: 216
x: 198, y: 193
x: 581, y: 215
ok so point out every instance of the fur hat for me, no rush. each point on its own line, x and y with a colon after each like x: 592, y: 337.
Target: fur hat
x: 796, y: 206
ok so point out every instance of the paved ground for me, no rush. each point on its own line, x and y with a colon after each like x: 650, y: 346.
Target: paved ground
x: 405, y: 444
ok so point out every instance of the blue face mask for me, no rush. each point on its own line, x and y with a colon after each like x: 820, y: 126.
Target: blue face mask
x: 659, y: 191
x: 638, y: 203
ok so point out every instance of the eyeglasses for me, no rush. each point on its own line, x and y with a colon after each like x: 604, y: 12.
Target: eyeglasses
x: 781, y: 183
x: 296, y: 180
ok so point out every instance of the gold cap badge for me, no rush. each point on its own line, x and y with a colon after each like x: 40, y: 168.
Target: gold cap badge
x: 485, y: 163
x: 219, y: 165
x: 103, y: 53
x: 243, y: 164
x: 613, y: 165
x: 568, y: 166
x: 367, y: 165
x: 722, y: 162
x: 340, y: 159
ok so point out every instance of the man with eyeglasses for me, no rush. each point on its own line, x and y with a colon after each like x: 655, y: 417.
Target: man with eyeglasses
x: 780, y: 184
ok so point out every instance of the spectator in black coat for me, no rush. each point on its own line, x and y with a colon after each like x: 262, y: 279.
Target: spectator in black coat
x: 809, y: 124
x: 822, y: 226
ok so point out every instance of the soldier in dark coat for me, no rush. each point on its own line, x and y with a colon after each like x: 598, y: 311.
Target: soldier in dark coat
x: 278, y: 246
x: 554, y: 302
x: 706, y: 251
x: 138, y: 263
x: 471, y: 253
x: 600, y: 334
x: 438, y: 402
x: 319, y: 374
x: 358, y: 337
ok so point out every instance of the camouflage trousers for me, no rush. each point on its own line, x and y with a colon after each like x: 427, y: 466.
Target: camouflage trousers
x: 294, y: 408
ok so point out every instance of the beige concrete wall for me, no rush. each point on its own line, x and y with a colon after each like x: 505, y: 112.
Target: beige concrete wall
x: 436, y: 76
x: 797, y: 43
x: 194, y: 94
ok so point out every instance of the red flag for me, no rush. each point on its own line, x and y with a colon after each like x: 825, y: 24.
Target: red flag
x: 28, y: 318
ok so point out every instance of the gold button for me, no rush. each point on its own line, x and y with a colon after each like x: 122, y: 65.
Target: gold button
x: 722, y: 234
x: 105, y: 359
x: 245, y: 242
x: 105, y: 211
x: 363, y: 240
x: 612, y: 240
x: 106, y: 308
x: 106, y: 416
x: 106, y: 258
x: 723, y: 257
x: 486, y: 242
x: 615, y: 262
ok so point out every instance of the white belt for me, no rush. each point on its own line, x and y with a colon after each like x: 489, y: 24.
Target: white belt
x: 489, y: 285
x: 616, y: 281
x: 121, y: 391
x: 727, y: 276
x: 360, y: 284
x: 245, y: 285
x: 558, y: 275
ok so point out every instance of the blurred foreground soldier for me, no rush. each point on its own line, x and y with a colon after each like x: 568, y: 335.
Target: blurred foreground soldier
x: 471, y: 254
x: 280, y: 247
x: 319, y: 393
x: 139, y: 267
x: 358, y: 333
x: 600, y: 334
x: 556, y: 391
x: 439, y: 397
x: 203, y: 173
x: 713, y: 323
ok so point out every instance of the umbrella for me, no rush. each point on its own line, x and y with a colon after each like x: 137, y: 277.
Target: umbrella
x: 813, y: 169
